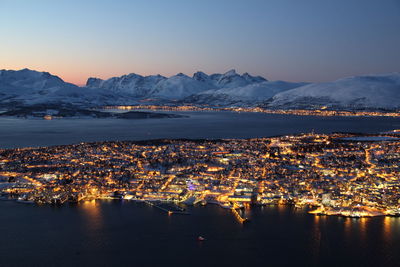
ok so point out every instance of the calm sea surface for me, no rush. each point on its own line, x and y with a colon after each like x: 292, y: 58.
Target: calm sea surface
x: 38, y: 132
x: 116, y: 233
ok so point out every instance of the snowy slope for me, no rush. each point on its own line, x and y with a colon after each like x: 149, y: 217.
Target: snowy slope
x: 29, y: 87
x: 25, y: 85
x: 369, y: 91
x: 251, y: 94
x: 28, y: 79
x: 132, y: 84
x: 230, y: 79
x: 176, y: 87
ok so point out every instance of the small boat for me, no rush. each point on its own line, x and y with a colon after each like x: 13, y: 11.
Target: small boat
x: 200, y: 238
x: 24, y: 200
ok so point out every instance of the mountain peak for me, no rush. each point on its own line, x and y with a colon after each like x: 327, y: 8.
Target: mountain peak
x: 133, y: 76
x: 93, y: 82
x: 253, y: 79
x: 200, y: 76
x: 231, y: 72
x: 180, y: 74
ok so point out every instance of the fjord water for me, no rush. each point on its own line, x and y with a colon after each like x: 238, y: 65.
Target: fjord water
x: 132, y: 234
x: 17, y: 132
x: 118, y: 233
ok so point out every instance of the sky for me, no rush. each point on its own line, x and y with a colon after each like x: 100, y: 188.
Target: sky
x: 308, y: 40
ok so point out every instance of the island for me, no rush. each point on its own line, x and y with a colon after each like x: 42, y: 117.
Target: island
x: 53, y: 111
x: 343, y: 174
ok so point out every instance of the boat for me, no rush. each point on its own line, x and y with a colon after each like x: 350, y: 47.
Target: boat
x: 25, y: 200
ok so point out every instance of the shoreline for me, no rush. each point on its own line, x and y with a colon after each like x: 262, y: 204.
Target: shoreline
x: 153, y: 203
x: 322, y: 112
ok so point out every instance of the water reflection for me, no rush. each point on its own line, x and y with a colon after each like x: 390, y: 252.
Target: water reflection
x: 347, y: 227
x: 387, y: 229
x: 356, y: 226
x: 362, y: 222
x: 92, y: 214
x: 316, y: 237
x: 319, y: 238
x: 282, y: 209
x: 102, y: 234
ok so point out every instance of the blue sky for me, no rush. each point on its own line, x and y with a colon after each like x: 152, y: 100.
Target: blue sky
x: 309, y: 40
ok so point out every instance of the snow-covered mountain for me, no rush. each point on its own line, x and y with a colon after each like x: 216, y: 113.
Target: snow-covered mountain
x: 132, y: 84
x: 28, y: 87
x: 173, y: 88
x: 230, y: 79
x: 28, y: 79
x: 178, y: 87
x: 249, y: 95
x: 367, y: 91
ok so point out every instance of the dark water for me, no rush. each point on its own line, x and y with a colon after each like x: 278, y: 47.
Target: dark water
x: 133, y: 234
x: 38, y: 132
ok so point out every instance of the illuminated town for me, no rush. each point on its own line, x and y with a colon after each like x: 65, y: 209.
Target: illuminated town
x: 320, y: 111
x: 337, y: 174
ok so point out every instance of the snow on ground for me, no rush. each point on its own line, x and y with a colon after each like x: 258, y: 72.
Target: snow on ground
x: 369, y: 91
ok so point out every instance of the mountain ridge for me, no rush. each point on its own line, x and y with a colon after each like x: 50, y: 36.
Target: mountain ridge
x: 30, y: 87
x: 364, y: 91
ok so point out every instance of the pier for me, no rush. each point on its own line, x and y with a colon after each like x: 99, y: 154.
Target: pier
x: 238, y: 216
x: 168, y: 207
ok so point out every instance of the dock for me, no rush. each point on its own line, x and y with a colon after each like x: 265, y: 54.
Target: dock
x: 168, y: 207
x: 238, y: 216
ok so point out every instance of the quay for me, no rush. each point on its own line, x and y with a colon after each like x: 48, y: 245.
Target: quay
x: 168, y: 207
x: 238, y: 216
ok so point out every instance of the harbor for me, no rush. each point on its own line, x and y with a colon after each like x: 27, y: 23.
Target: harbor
x: 168, y: 207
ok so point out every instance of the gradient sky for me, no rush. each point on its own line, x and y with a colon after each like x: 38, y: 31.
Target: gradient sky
x: 308, y: 40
